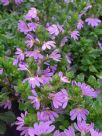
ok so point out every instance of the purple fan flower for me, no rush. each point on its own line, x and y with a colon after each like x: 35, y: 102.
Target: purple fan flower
x: 60, y: 99
x: 32, y: 14
x: 19, y: 56
x: 53, y: 30
x: 5, y: 2
x: 47, y: 115
x: 74, y: 83
x: 83, y: 127
x: 69, y: 58
x: 29, y: 40
x: 85, y: 10
x: 80, y: 24
x: 20, y: 121
x: 69, y: 132
x: 24, y: 131
x: 23, y: 66
x: 93, y: 22
x: 87, y: 90
x: 32, y: 26
x: 35, y: 100
x: 43, y: 128
x: 36, y: 54
x: 22, y: 26
x: 46, y: 76
x: 79, y: 113
x: 60, y: 27
x: 34, y: 81
x: 95, y: 133
x: 18, y: 2
x: 1, y: 71
x: 53, y: 68
x: 88, y: 7
x: 58, y: 133
x: 63, y: 78
x: 48, y: 45
x: 15, y: 61
x: 75, y: 35
x: 100, y: 45
x: 55, y: 55
x: 20, y: 125
x: 45, y: 79
x: 63, y: 41
x: 6, y: 104
x: 48, y: 72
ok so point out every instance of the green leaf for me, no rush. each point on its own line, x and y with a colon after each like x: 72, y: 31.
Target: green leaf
x: 2, y: 127
x: 7, y: 117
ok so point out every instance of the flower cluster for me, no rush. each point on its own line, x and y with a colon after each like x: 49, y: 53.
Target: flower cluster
x: 50, y: 104
x: 6, y: 2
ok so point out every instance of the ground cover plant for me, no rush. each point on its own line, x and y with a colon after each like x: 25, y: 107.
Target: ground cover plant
x: 51, y: 67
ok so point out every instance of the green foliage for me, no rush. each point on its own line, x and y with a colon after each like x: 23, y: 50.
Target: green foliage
x: 6, y: 118
x: 86, y: 65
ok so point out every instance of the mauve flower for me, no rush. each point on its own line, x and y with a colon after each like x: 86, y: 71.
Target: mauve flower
x: 5, y: 2
x: 69, y: 58
x: 29, y: 40
x: 47, y: 115
x: 59, y: 99
x: 55, y: 55
x: 48, y: 45
x: 69, y: 132
x: 83, y: 127
x: 58, y: 133
x: 35, y: 54
x: 93, y: 22
x: 80, y: 24
x: 87, y: 90
x: 32, y: 14
x: 24, y: 131
x: 88, y: 7
x: 35, y: 100
x: 22, y: 26
x: 43, y: 128
x: 23, y: 66
x: 19, y: 56
x: 20, y: 121
x: 79, y: 113
x: 95, y: 133
x: 75, y: 35
x: 63, y: 41
x: 60, y: 27
x: 34, y: 81
x: 46, y: 76
x: 53, y: 68
x: 53, y: 30
x: 18, y: 2
x: 74, y: 83
x: 6, y: 104
x: 85, y: 10
x: 63, y: 78
x: 21, y: 125
x: 15, y: 61
x: 1, y: 71
x: 100, y: 45
x: 45, y: 79
x: 32, y: 26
